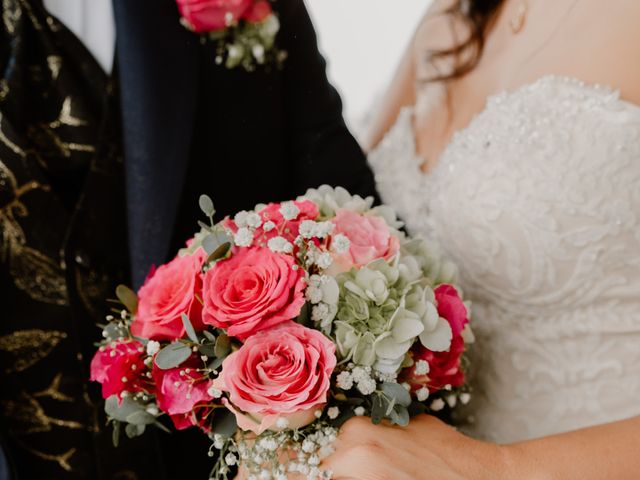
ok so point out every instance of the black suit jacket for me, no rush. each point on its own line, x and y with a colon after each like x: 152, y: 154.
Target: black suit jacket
x: 192, y: 127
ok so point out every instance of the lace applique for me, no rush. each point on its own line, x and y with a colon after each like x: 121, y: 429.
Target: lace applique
x: 538, y: 202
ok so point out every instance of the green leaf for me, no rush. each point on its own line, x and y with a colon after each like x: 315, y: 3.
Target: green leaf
x: 215, y: 364
x: 219, y: 253
x: 210, y: 336
x: 134, y: 430
x: 378, y: 409
x: 397, y: 392
x: 191, y: 333
x: 161, y: 426
x: 206, y: 205
x: 115, y: 434
x: 223, y: 346
x: 120, y: 411
x: 224, y: 423
x: 141, y: 417
x: 204, y: 226
x: 207, y: 349
x: 400, y: 416
x: 305, y: 315
x: 128, y: 298
x: 172, y: 355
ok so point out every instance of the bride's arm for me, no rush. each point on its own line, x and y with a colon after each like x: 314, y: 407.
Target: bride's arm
x: 430, y: 450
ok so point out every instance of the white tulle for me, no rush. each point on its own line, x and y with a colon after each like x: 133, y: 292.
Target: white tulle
x: 538, y: 202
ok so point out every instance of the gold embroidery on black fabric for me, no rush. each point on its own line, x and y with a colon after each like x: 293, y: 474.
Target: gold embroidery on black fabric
x: 11, y: 14
x: 28, y: 347
x: 9, y: 144
x: 33, y: 272
x: 27, y: 416
x: 55, y: 64
x: 53, y: 391
x: 62, y: 460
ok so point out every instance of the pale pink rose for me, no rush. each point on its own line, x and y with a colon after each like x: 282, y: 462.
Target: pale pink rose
x: 370, y: 239
x: 212, y: 15
x: 166, y: 295
x: 281, y: 373
x: 253, y: 290
x: 184, y: 396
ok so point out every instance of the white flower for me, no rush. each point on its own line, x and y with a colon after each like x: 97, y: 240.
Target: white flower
x: 308, y: 446
x: 289, y: 210
x: 230, y: 459
x: 464, y: 398
x: 324, y: 260
x: 422, y: 367
x: 258, y: 52
x: 240, y: 219
x: 333, y: 413
x: 359, y: 411
x: 280, y: 245
x: 218, y: 441
x: 452, y: 400
x: 319, y: 312
x: 214, y: 392
x: 367, y: 386
x: 152, y: 410
x: 344, y: 380
x: 235, y: 51
x: 437, y: 405
x: 340, y: 243
x: 307, y: 229
x: 360, y: 374
x: 253, y: 220
x: 282, y: 422
x: 314, y: 294
x: 422, y: 394
x: 243, y: 237
x: 268, y: 226
x: 153, y: 347
x: 323, y: 229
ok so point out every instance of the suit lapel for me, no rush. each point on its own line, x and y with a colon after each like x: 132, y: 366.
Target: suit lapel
x: 157, y: 61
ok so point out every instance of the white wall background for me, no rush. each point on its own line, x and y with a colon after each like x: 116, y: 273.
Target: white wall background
x: 363, y: 41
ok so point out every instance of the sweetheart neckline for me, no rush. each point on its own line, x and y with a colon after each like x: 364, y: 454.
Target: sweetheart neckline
x: 567, y: 80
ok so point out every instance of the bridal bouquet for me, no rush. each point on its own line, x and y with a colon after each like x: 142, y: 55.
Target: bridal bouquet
x: 272, y: 328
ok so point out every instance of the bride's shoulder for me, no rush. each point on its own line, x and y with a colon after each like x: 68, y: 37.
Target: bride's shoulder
x: 609, y: 32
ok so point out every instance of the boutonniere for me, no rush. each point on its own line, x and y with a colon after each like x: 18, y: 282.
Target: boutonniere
x: 244, y: 31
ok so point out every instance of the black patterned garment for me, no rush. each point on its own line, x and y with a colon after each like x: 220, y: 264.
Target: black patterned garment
x: 62, y: 249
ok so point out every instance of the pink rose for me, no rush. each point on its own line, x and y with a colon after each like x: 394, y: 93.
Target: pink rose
x: 166, y: 295
x: 444, y: 367
x: 120, y: 367
x: 283, y: 372
x: 369, y: 236
x: 184, y: 396
x: 253, y: 290
x: 212, y: 15
x: 258, y: 12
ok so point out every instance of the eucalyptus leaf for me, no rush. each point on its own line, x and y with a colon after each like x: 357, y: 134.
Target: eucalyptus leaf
x: 115, y: 433
x: 378, y: 409
x: 400, y: 416
x: 141, y: 417
x: 128, y: 298
x: 215, y: 240
x: 224, y: 423
x: 223, y: 346
x: 204, y: 226
x: 220, y: 252
x: 120, y: 411
x: 216, y: 363
x: 172, y: 355
x: 188, y: 327
x: 210, y: 336
x: 134, y: 430
x: 207, y: 349
x: 397, y: 392
x: 161, y: 426
x: 206, y: 205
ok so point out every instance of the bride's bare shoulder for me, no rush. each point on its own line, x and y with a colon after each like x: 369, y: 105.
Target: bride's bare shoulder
x: 609, y: 44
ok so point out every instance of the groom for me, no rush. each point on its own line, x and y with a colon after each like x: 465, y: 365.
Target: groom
x: 189, y: 127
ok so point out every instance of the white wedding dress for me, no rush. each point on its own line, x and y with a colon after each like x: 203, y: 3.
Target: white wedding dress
x: 538, y: 202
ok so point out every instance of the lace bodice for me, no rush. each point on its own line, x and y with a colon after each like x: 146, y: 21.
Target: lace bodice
x: 538, y: 202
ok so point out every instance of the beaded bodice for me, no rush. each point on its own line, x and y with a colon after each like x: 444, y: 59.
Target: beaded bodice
x: 538, y: 202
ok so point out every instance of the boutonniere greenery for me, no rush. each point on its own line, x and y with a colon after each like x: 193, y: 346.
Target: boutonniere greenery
x: 244, y: 31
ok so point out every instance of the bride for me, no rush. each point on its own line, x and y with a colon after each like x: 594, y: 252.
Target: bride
x: 511, y: 134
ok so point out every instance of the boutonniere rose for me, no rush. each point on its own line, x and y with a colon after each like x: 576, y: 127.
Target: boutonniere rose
x: 244, y: 31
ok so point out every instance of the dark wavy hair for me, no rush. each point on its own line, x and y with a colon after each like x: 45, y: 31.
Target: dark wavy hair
x: 478, y: 15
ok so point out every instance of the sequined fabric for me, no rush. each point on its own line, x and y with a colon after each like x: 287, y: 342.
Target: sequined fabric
x: 538, y: 201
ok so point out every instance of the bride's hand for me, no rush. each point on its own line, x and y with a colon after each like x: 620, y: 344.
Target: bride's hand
x: 427, y: 449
